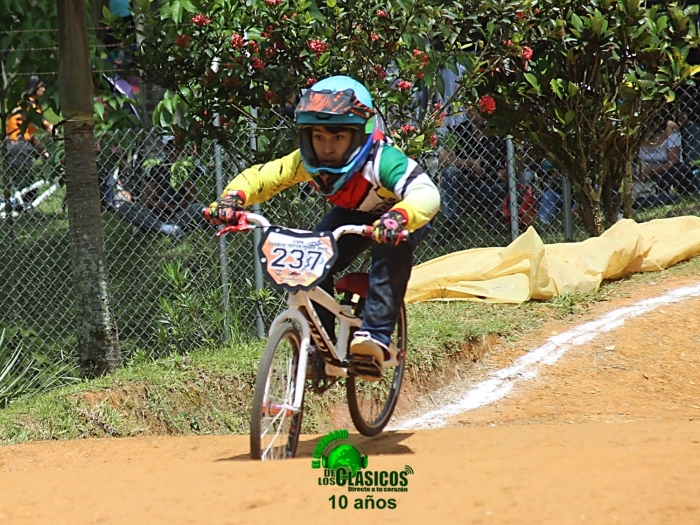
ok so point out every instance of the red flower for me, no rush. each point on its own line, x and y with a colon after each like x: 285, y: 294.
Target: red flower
x: 520, y: 14
x: 270, y: 52
x: 527, y: 53
x: 201, y: 20
x: 433, y: 140
x: 382, y: 14
x: 408, y: 128
x: 402, y: 85
x: 507, y: 42
x: 265, y: 34
x: 318, y: 46
x: 237, y: 41
x: 253, y: 45
x: 487, y: 104
x: 182, y: 40
x: 374, y: 37
x: 272, y: 2
x: 379, y: 71
x: 420, y: 75
x: 257, y: 63
x: 310, y: 82
x: 270, y: 96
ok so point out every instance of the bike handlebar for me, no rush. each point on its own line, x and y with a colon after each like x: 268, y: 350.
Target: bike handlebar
x: 247, y: 220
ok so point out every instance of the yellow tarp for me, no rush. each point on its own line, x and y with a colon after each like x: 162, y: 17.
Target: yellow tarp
x: 529, y: 269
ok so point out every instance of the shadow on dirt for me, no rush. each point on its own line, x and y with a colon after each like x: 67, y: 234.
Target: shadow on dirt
x: 387, y: 443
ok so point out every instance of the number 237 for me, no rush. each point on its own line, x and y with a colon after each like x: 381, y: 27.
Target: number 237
x: 298, y: 255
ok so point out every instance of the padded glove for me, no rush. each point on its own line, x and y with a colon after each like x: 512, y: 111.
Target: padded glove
x: 387, y: 229
x: 226, y: 210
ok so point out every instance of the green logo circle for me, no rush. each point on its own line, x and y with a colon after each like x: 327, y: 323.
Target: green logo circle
x: 345, y: 456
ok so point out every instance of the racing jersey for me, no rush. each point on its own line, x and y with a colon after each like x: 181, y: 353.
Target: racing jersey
x: 388, y: 181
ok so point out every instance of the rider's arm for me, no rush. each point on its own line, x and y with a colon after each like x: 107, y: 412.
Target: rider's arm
x: 420, y: 198
x: 263, y: 181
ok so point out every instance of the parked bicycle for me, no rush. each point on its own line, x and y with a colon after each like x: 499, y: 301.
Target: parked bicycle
x: 300, y: 355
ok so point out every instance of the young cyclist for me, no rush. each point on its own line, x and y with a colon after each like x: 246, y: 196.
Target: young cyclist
x: 349, y: 161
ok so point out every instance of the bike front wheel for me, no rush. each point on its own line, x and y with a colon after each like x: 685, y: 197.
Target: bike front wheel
x: 371, y: 404
x: 275, y: 426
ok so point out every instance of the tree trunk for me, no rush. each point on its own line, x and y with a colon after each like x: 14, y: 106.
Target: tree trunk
x: 627, y: 188
x: 98, y: 346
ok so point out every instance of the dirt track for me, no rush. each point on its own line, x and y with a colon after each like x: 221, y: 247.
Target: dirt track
x: 609, y: 434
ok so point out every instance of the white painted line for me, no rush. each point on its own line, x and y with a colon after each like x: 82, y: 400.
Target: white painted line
x: 526, y: 367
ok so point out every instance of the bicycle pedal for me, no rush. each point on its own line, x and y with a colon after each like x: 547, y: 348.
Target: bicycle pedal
x: 365, y: 365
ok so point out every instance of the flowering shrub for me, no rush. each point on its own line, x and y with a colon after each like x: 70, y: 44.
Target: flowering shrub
x: 578, y: 80
x: 264, y: 47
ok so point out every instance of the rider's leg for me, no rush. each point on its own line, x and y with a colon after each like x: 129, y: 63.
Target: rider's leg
x: 349, y: 248
x: 388, y: 278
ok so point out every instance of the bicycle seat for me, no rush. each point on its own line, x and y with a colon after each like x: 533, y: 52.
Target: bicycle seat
x: 354, y: 283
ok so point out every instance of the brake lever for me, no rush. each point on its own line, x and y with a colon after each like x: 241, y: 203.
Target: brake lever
x: 242, y: 226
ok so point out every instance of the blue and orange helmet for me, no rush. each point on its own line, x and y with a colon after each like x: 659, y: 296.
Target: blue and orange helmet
x: 337, y: 101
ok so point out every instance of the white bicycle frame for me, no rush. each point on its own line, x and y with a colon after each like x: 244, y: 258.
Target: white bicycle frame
x: 302, y: 300
x: 19, y: 196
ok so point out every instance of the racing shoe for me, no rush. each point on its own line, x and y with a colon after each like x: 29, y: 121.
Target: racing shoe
x: 369, y: 355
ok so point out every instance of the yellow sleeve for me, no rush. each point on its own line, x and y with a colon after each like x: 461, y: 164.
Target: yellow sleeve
x: 263, y: 181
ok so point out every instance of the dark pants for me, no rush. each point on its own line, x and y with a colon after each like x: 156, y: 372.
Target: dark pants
x: 679, y: 177
x: 151, y: 220
x: 459, y: 193
x: 388, y: 276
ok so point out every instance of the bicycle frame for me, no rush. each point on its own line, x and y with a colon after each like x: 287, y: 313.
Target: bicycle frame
x: 301, y: 310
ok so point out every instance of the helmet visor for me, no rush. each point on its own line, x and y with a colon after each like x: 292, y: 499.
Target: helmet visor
x: 333, y: 103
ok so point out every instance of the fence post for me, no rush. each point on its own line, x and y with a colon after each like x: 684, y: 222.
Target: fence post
x: 223, y: 245
x: 568, y: 213
x: 512, y: 189
x: 259, y: 324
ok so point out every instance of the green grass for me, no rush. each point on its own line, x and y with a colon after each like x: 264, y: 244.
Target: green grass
x: 209, y: 392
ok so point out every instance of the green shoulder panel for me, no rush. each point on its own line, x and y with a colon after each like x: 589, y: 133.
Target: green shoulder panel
x: 393, y: 165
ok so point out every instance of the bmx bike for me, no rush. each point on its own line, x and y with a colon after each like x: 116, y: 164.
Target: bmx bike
x: 298, y: 261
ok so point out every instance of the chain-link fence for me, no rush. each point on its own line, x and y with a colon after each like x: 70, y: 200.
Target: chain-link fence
x: 176, y: 287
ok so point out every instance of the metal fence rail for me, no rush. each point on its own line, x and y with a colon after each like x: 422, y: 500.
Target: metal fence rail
x: 176, y: 291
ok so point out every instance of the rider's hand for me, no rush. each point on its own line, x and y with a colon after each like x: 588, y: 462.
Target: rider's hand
x: 387, y: 230
x: 227, y: 209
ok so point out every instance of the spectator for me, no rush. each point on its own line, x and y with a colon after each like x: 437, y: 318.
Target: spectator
x: 119, y: 53
x: 166, y: 209
x: 22, y: 146
x: 474, y: 175
x: 661, y: 161
x: 551, y: 200
x: 689, y: 122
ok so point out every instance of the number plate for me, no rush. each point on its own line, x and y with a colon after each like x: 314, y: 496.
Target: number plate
x: 295, y: 260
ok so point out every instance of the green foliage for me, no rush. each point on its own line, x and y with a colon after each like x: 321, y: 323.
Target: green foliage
x: 581, y: 80
x: 224, y: 57
x: 22, y: 373
x: 189, y: 318
x: 29, y: 41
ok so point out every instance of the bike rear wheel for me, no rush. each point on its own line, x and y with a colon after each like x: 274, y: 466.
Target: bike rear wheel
x: 372, y: 404
x: 274, y: 426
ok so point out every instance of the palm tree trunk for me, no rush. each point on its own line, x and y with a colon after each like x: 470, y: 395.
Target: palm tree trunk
x: 98, y: 345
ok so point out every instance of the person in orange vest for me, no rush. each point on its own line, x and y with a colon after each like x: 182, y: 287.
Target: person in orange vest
x: 22, y: 146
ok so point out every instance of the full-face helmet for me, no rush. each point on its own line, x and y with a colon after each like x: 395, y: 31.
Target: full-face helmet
x: 336, y: 102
